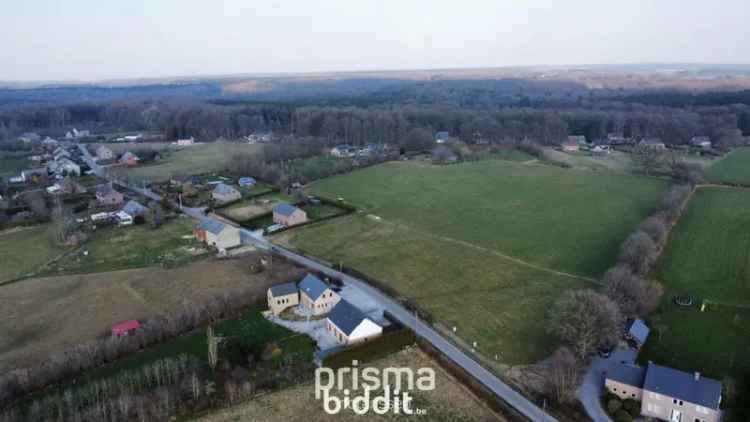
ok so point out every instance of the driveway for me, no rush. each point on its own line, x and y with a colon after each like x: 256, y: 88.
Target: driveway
x: 592, y: 387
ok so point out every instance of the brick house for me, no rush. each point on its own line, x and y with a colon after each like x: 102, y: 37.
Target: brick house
x: 667, y: 394
x: 317, y: 296
x: 288, y: 215
x: 282, y: 296
x: 349, y: 325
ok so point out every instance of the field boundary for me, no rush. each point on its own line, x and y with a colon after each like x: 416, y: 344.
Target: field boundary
x: 490, y: 251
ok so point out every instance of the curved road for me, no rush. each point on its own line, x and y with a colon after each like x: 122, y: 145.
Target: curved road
x: 405, y: 317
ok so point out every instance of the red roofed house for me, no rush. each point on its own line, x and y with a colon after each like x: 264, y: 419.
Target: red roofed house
x: 125, y: 328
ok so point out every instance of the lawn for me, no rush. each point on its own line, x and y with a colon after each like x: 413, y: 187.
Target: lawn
x: 707, y: 258
x: 11, y: 166
x: 563, y: 219
x: 489, y: 299
x: 118, y: 248
x: 24, y: 250
x: 734, y: 168
x: 197, y: 159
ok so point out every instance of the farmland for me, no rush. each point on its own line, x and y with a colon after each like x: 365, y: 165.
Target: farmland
x: 12, y: 165
x: 449, y: 401
x: 734, y: 168
x: 42, y: 315
x: 707, y: 258
x: 545, y: 215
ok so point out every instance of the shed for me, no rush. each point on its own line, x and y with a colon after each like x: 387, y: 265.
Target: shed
x: 638, y: 332
x: 125, y: 328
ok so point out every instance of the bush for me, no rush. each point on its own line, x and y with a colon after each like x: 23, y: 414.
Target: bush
x: 613, y: 406
x: 623, y: 416
x: 633, y: 407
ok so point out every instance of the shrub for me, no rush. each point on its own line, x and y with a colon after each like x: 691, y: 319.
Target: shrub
x: 633, y: 407
x: 623, y: 416
x: 614, y: 406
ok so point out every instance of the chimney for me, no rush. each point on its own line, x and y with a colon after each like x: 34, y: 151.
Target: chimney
x: 697, y: 376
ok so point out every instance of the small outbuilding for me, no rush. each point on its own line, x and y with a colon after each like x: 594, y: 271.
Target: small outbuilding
x: 125, y: 328
x: 638, y: 332
x: 247, y: 182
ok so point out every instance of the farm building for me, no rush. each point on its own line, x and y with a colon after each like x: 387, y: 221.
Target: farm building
x: 125, y: 328
x: 665, y: 393
x: 217, y: 234
x: 349, y: 325
x: 224, y: 193
x: 288, y: 215
x: 317, y: 296
x: 104, y: 153
x: 282, y: 296
x: 129, y: 159
x: 134, y: 208
x: 107, y: 195
x: 247, y: 182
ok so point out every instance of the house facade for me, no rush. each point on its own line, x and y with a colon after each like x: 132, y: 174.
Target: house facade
x: 217, y: 234
x: 224, y: 193
x: 667, y: 394
x: 316, y: 296
x: 288, y: 215
x: 349, y: 325
x: 106, y: 195
x: 282, y: 297
x: 104, y: 153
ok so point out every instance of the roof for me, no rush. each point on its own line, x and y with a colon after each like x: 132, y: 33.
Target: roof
x: 627, y: 374
x: 284, y: 289
x: 284, y: 209
x: 126, y: 325
x: 105, y: 189
x: 128, y: 156
x: 639, y: 331
x: 211, y: 225
x: 224, y: 189
x: 312, y: 286
x: 346, y: 316
x: 246, y: 181
x: 134, y: 207
x: 442, y: 135
x: 684, y: 386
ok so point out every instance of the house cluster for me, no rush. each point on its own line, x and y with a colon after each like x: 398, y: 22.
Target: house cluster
x: 77, y: 134
x: 344, y: 321
x: 665, y: 393
x: 104, y: 156
x: 575, y: 143
x: 259, y: 138
x: 124, y: 215
x: 52, y: 159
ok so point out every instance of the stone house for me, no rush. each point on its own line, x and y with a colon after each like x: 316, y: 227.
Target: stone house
x: 282, y: 296
x: 349, y: 325
x: 317, y: 296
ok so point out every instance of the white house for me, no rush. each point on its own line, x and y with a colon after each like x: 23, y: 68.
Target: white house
x: 186, y: 142
x: 343, y: 150
x: 349, y: 325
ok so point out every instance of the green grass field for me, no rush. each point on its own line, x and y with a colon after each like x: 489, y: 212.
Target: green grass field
x: 707, y: 258
x: 12, y: 166
x: 25, y: 249
x: 119, y: 248
x: 480, y: 245
x: 567, y: 220
x: 197, y: 159
x: 734, y: 168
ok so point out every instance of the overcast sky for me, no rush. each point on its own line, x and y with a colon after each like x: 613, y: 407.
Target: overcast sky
x: 101, y: 39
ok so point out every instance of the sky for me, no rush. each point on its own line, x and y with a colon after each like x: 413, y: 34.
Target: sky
x: 115, y: 39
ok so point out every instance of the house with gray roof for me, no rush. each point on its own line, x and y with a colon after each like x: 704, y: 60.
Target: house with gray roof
x: 225, y: 194
x: 317, y: 296
x: 666, y: 393
x: 282, y: 296
x: 134, y: 208
x: 349, y: 325
x: 638, y: 333
x: 288, y: 215
x: 217, y: 234
x: 442, y: 137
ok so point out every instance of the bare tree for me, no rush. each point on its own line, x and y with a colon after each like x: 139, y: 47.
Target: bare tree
x: 646, y: 158
x: 655, y: 228
x: 632, y: 294
x: 562, y: 375
x: 586, y: 320
x: 638, y: 252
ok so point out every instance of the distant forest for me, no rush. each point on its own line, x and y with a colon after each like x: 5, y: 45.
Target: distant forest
x: 360, y: 111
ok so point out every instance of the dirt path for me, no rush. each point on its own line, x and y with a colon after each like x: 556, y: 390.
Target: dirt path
x: 489, y: 251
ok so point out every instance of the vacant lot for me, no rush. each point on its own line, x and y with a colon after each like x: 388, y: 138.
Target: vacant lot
x: 43, y: 315
x: 562, y: 219
x: 197, y: 159
x: 24, y: 250
x: 449, y: 401
x: 707, y: 258
x: 734, y: 168
x: 248, y: 209
x: 119, y: 248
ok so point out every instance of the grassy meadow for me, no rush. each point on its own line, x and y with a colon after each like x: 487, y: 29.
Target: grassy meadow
x: 734, y: 168
x: 24, y: 250
x: 12, y: 165
x: 563, y: 219
x: 707, y: 258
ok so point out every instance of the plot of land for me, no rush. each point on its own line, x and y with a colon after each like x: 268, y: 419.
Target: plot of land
x: 734, y: 168
x: 449, y: 401
x: 197, y: 159
x: 24, y: 250
x: 707, y: 258
x: 12, y: 166
x: 43, y: 315
x: 248, y: 209
x: 562, y: 219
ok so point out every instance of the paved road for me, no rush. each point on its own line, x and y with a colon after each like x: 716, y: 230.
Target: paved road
x: 592, y: 387
x: 101, y: 172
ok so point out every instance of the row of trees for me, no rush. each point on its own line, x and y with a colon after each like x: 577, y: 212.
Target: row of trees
x: 588, y: 319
